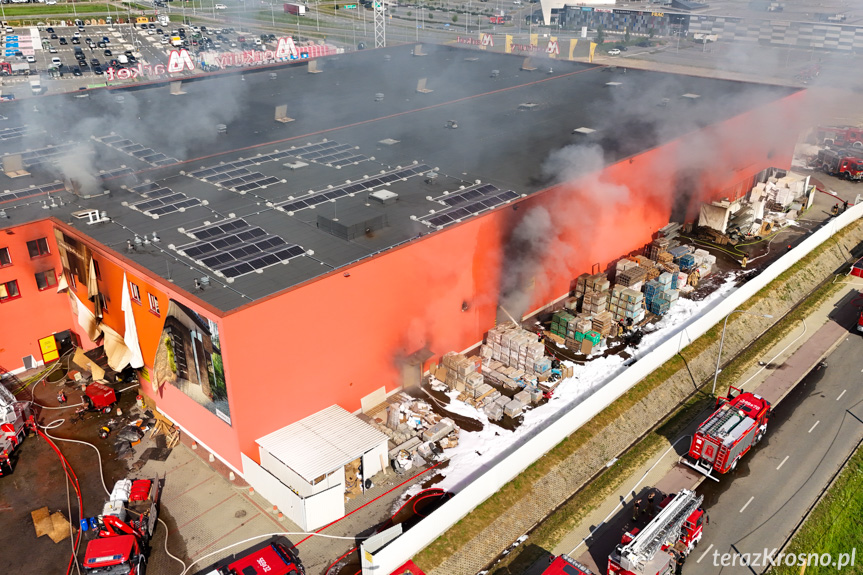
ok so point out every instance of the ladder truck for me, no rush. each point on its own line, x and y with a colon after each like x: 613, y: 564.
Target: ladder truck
x: 665, y: 541
x: 14, y: 416
x: 739, y: 423
x: 566, y: 565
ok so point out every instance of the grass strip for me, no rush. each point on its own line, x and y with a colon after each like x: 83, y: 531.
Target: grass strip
x: 834, y: 527
x: 499, y: 503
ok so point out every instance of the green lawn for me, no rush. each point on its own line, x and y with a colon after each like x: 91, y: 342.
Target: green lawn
x: 835, y: 527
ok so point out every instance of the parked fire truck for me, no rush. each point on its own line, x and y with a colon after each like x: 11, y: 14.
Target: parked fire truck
x: 125, y: 528
x: 13, y: 417
x: 738, y: 423
x: 566, y: 565
x: 840, y: 164
x: 667, y: 539
x: 840, y: 136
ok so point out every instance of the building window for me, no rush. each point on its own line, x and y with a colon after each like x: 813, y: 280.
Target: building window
x: 9, y: 291
x: 38, y: 248
x: 97, y: 270
x: 5, y: 260
x: 46, y: 279
x: 154, y: 303
x: 134, y: 293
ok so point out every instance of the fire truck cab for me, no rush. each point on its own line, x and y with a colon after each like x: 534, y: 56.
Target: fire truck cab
x: 840, y: 164
x: 274, y: 559
x: 667, y: 539
x: 115, y: 555
x: 840, y: 136
x: 738, y: 423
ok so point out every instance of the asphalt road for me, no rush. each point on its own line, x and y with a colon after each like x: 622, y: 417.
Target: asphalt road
x: 811, y: 434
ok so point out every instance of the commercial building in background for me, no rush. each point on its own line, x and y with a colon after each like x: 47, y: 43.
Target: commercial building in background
x: 274, y: 254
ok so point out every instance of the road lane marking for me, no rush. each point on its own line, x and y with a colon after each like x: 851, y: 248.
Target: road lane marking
x: 841, y: 394
x: 814, y: 425
x: 783, y: 462
x: 747, y: 504
x: 705, y: 553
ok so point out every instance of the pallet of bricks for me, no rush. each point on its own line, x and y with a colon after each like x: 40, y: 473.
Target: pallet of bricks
x: 660, y: 294
x: 683, y: 257
x: 626, y: 304
x: 657, y: 248
x: 633, y: 277
x: 704, y: 261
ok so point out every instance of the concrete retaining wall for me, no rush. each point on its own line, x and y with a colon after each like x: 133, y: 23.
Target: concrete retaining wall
x: 573, y: 472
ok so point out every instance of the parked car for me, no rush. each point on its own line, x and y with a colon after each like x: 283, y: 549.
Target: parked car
x: 614, y: 52
x: 63, y: 41
x: 76, y: 71
x: 107, y: 53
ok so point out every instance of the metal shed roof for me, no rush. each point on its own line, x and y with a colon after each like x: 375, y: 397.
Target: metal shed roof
x: 322, y: 442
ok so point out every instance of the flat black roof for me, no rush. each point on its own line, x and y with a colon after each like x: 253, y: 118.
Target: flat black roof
x: 294, y: 200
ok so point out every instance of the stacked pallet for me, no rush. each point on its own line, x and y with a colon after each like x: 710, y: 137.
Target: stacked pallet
x: 562, y: 324
x: 664, y: 257
x: 603, y: 323
x: 516, y: 347
x: 657, y: 247
x: 632, y: 278
x: 683, y: 257
x: 674, y: 270
x: 459, y: 371
x: 595, y: 302
x: 704, y: 261
x: 586, y: 284
x: 626, y: 303
x: 659, y: 294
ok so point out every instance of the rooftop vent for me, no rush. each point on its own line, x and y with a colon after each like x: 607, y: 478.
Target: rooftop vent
x: 388, y: 142
x: 385, y: 197
x: 528, y: 106
x: 691, y: 96
x: 583, y: 130
x: 358, y: 223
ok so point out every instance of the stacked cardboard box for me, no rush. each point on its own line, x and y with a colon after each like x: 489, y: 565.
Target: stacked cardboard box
x: 626, y: 303
x: 562, y: 323
x: 516, y: 347
x: 458, y: 369
x: 664, y: 257
x: 704, y: 261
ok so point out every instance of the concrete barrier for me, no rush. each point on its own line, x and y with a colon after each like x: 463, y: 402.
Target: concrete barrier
x: 564, y: 423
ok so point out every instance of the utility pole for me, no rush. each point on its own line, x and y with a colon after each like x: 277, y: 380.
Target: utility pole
x: 380, y: 24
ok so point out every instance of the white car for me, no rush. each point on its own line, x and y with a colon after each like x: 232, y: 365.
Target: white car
x: 50, y: 2
x: 614, y: 52
x: 220, y: 7
x: 31, y: 59
x: 52, y: 49
x: 55, y: 61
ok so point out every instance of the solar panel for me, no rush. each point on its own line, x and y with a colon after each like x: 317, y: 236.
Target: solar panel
x: 144, y: 188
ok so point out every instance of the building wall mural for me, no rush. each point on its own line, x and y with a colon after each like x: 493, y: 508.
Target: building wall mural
x: 189, y: 357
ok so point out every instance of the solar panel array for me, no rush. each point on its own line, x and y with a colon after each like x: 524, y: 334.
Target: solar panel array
x: 328, y: 153
x: 139, y: 151
x: 16, y: 132
x: 116, y: 173
x: 468, y: 202
x: 234, y: 248
x: 162, y: 201
x: 32, y: 158
x: 29, y: 192
x: 354, y: 187
x: 235, y: 176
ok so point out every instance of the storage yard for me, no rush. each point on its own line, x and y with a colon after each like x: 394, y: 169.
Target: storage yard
x: 489, y: 268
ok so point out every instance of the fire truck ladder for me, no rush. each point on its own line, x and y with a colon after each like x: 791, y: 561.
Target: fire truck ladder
x: 714, y: 426
x: 9, y: 382
x: 664, y: 529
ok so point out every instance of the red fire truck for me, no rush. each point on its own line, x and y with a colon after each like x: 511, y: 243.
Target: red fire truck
x: 840, y: 136
x: 122, y: 542
x: 13, y: 417
x: 738, y: 423
x: 840, y: 165
x: 566, y: 565
x: 664, y: 542
x: 274, y: 559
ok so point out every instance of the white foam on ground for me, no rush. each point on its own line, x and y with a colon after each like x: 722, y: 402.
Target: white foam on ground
x: 478, y: 451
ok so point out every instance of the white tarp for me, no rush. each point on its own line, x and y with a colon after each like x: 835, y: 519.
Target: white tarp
x: 715, y: 217
x: 130, y: 336
x: 86, y: 319
x: 115, y: 349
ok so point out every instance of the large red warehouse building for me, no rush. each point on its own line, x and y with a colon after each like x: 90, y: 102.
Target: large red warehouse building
x: 281, y: 268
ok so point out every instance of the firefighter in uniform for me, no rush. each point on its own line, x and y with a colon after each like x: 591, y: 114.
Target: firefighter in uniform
x: 635, y: 509
x: 650, y: 504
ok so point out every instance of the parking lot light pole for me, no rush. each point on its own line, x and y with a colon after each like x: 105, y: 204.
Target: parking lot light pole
x: 722, y: 340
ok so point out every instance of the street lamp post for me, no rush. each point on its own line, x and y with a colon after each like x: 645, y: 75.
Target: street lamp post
x: 722, y: 341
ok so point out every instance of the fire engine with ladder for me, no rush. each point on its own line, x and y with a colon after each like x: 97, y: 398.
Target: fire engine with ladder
x: 13, y: 427
x: 739, y: 423
x: 664, y: 542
